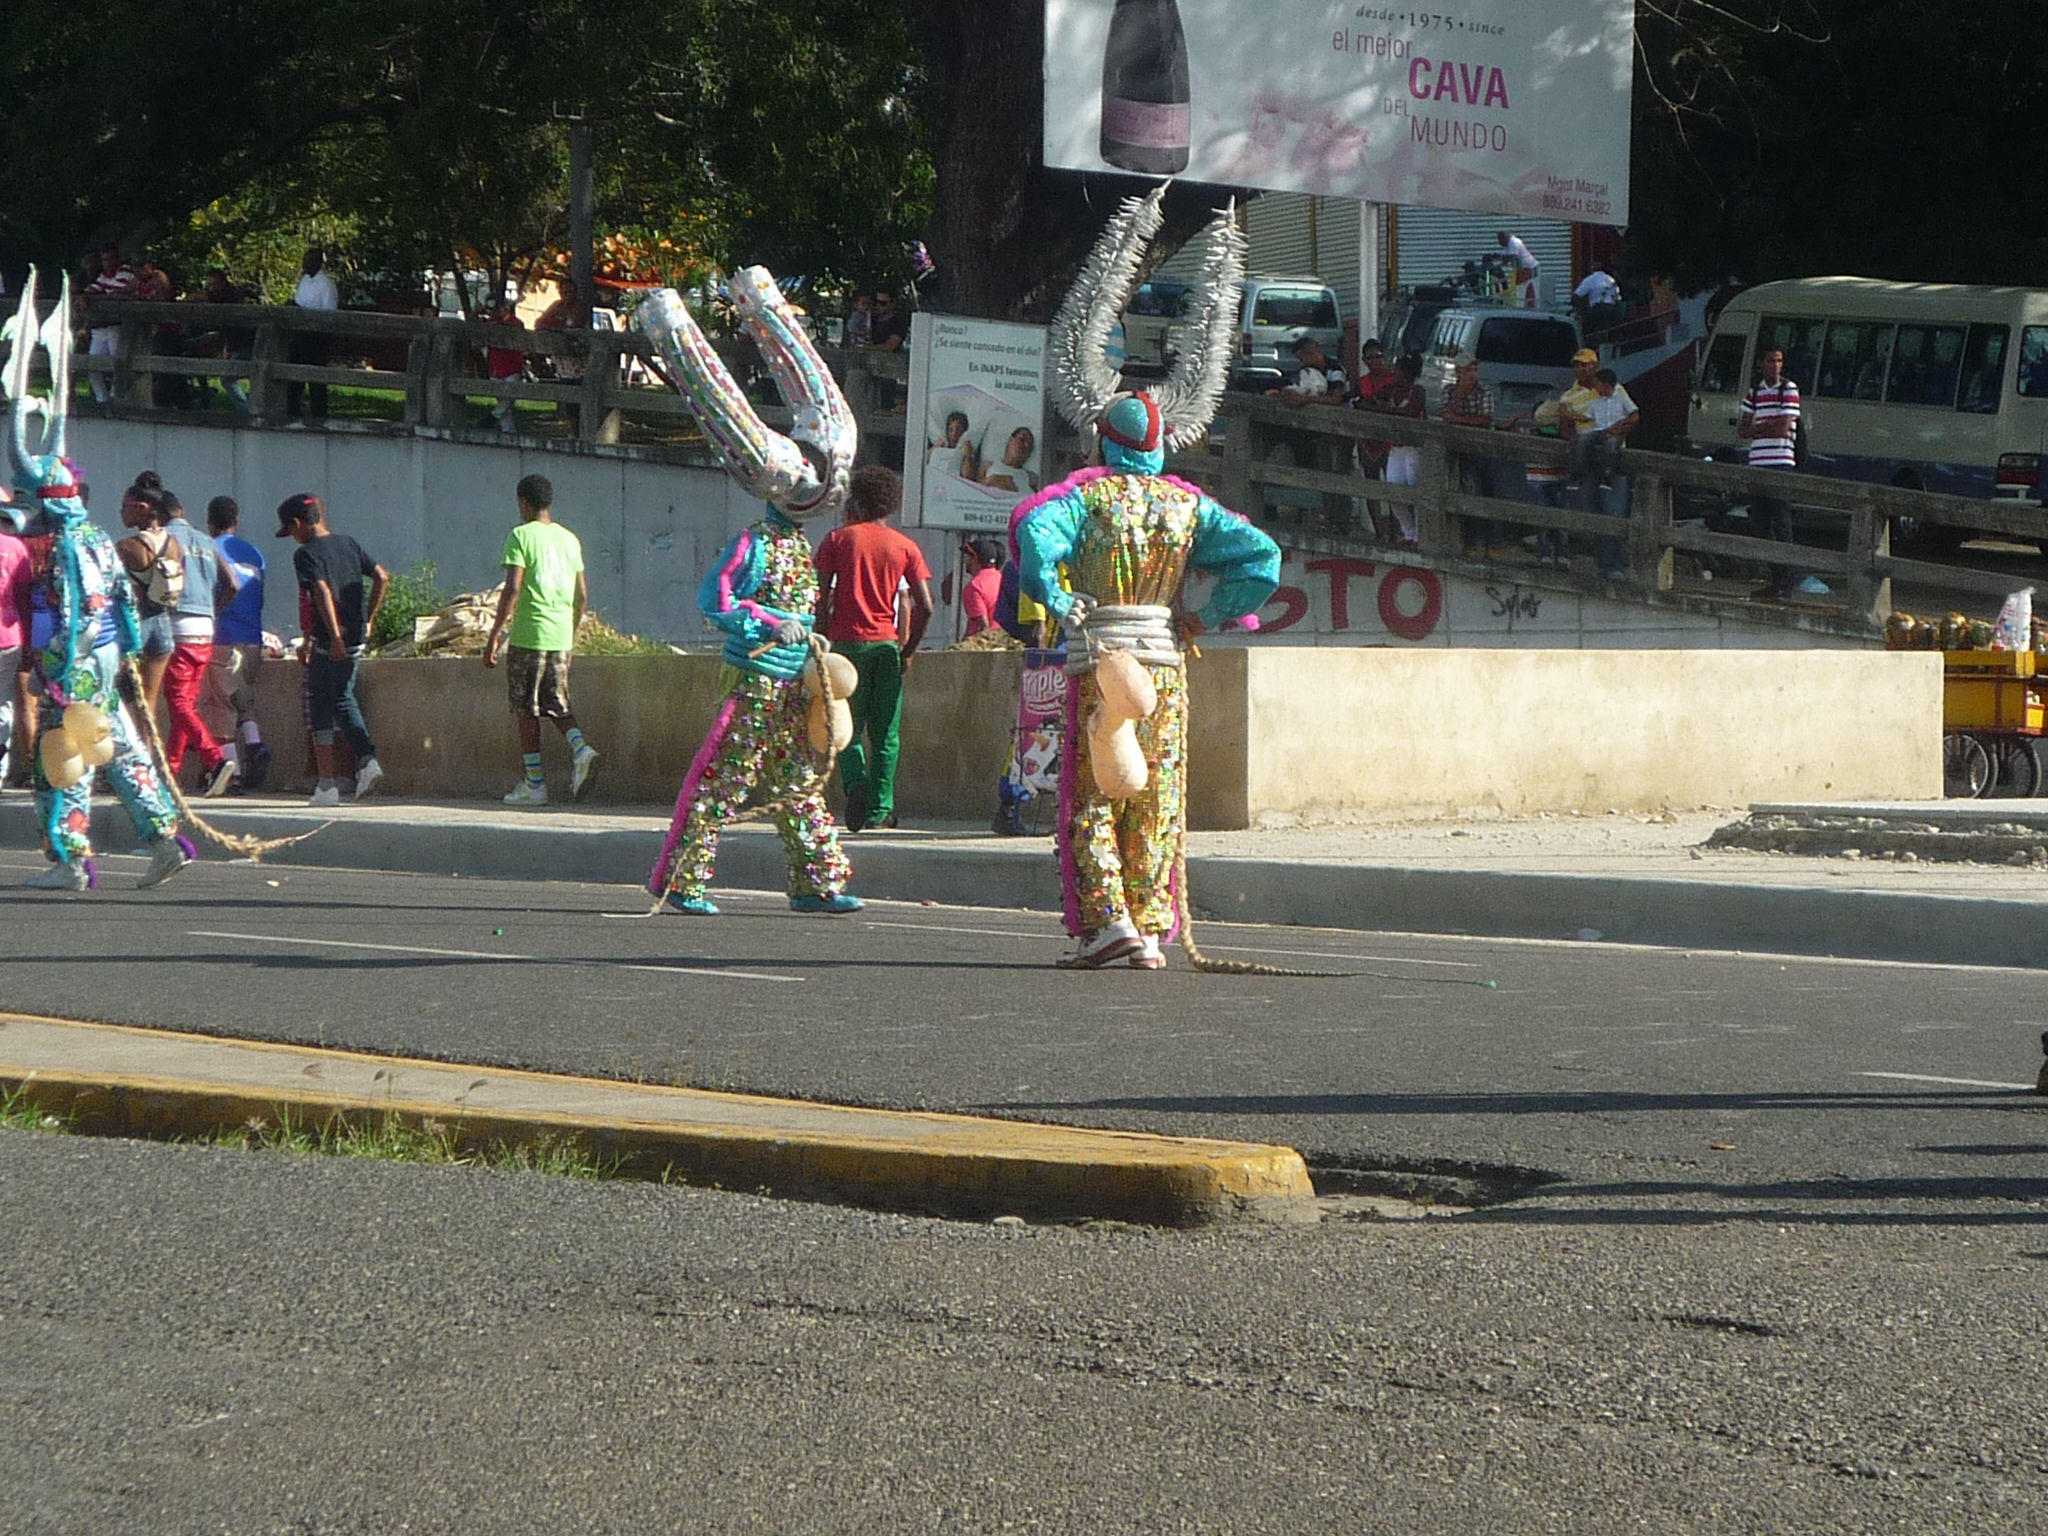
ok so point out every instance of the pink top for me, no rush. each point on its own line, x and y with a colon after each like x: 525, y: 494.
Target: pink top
x: 14, y: 584
x: 978, y: 600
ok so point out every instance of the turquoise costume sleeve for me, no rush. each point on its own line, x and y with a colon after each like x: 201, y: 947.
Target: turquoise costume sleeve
x: 1245, y: 563
x: 127, y: 618
x: 726, y: 599
x: 1046, y: 537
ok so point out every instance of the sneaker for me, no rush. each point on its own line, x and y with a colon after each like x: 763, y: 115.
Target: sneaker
x: 528, y: 793
x: 887, y: 823
x: 258, y: 771
x: 1103, y: 947
x: 368, y: 775
x: 326, y: 796
x: 1009, y: 822
x: 63, y: 876
x: 691, y: 906
x: 857, y: 809
x: 1545, y: 560
x: 220, y: 780
x: 831, y: 905
x: 1813, y: 586
x: 166, y: 857
x: 585, y: 771
x: 1148, y: 958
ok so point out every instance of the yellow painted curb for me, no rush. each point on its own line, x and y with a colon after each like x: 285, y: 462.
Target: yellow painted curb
x: 117, y: 1080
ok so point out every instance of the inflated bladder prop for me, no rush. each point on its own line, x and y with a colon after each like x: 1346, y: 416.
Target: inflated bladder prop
x: 63, y: 765
x: 91, y: 732
x: 830, y: 681
x: 1128, y: 696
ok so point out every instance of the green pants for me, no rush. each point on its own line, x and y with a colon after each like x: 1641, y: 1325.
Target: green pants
x: 877, y: 705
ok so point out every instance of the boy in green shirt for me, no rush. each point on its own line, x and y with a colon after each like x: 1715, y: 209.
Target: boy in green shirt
x: 543, y: 602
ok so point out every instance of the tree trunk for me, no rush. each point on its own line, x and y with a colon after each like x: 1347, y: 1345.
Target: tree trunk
x: 1009, y: 235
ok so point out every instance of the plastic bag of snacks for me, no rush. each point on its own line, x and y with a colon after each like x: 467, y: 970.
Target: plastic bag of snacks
x: 2015, y: 626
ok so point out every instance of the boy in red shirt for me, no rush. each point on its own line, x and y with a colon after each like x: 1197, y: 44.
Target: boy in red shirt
x: 862, y: 565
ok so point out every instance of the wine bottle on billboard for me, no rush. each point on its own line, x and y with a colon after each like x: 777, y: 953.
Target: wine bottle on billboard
x: 1145, y: 112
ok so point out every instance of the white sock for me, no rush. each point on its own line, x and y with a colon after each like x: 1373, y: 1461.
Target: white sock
x: 252, y: 733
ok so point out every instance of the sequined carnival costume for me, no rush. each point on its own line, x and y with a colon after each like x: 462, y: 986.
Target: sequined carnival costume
x: 93, y: 625
x: 1129, y: 535
x: 761, y: 593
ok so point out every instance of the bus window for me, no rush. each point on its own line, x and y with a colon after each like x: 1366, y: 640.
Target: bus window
x: 1722, y: 374
x: 1924, y: 365
x: 1852, y: 365
x: 1984, y: 369
x: 2034, y: 362
x: 1799, y: 340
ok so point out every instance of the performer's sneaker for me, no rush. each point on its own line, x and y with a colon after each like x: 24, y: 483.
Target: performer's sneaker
x: 691, y: 906
x: 369, y: 774
x: 166, y: 857
x: 1149, y: 956
x: 528, y: 793
x: 832, y: 905
x: 1105, y: 946
x: 326, y: 797
x: 585, y: 772
x: 63, y: 876
x: 220, y: 780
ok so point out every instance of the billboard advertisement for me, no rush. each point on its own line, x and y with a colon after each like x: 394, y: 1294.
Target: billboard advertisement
x: 1491, y: 106
x: 978, y: 388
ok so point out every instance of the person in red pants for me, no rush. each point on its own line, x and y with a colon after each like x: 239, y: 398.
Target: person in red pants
x: 210, y: 584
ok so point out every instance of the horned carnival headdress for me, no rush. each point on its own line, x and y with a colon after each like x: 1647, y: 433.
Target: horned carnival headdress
x: 37, y: 456
x: 1083, y: 383
x: 800, y: 485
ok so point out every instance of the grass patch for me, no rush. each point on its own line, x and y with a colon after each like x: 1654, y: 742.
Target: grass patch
x: 18, y: 1112
x: 391, y: 1139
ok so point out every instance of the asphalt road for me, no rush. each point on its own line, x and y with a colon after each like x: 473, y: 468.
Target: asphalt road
x: 1764, y: 1289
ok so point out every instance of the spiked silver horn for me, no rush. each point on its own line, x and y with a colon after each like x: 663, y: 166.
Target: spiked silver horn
x: 1084, y: 383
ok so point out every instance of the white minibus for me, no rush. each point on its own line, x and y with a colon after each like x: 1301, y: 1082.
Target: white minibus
x: 1930, y: 386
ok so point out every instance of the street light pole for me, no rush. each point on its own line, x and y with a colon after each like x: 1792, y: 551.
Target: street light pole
x: 580, y: 256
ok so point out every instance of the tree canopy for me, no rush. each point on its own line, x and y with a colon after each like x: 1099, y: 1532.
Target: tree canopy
x: 1772, y: 138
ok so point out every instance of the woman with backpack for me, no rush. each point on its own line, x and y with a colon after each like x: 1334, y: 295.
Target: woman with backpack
x: 156, y: 568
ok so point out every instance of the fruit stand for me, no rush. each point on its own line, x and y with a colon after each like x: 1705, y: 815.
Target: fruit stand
x: 1992, y: 720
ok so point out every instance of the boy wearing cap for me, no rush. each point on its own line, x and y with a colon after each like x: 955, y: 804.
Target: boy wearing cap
x: 340, y: 591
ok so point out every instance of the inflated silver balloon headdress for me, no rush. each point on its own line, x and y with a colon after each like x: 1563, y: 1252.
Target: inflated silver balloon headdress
x: 43, y: 477
x: 798, y: 483
x: 1083, y: 382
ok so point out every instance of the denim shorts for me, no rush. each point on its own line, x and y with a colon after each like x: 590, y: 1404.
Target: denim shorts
x: 157, y: 639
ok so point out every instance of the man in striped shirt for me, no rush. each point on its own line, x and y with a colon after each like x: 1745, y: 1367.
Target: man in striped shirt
x: 117, y: 280
x: 1770, y: 425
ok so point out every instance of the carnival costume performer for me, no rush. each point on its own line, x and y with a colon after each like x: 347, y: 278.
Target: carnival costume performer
x: 761, y: 593
x: 1129, y: 535
x: 82, y: 721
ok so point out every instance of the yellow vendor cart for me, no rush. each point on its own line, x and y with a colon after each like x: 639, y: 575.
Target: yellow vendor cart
x: 1992, y: 717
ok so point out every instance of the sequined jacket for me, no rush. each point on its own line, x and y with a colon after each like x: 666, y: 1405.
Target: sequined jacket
x: 760, y: 579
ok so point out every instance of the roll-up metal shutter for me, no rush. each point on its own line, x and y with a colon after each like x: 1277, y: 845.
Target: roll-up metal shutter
x: 1289, y: 234
x: 1435, y: 244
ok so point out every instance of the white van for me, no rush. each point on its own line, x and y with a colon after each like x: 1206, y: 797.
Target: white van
x: 1929, y: 386
x: 1273, y: 313
x: 1525, y: 355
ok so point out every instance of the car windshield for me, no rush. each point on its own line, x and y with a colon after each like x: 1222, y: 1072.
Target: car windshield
x: 1527, y: 343
x: 1308, y: 308
x: 1158, y: 299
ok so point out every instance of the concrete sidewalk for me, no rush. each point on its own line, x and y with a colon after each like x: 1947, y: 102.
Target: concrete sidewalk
x: 112, y: 1080
x: 1623, y: 878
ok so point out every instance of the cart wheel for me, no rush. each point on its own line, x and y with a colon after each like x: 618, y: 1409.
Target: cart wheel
x: 2016, y: 761
x: 1965, y: 767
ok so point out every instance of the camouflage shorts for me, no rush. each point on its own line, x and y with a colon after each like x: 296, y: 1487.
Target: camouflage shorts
x: 537, y: 682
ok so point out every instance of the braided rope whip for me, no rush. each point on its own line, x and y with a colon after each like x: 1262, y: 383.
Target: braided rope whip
x: 251, y: 848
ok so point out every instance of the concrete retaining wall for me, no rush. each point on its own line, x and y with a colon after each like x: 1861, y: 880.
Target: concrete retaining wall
x: 1309, y: 734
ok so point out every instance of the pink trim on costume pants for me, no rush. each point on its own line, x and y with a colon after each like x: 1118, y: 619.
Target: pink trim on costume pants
x: 699, y: 766
x: 1070, y: 792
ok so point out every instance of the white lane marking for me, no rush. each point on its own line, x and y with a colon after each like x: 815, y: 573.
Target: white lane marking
x: 1041, y: 936
x: 1953, y: 1082
x: 482, y: 954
